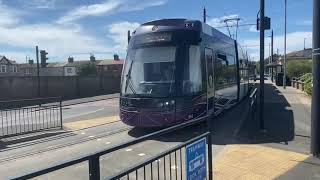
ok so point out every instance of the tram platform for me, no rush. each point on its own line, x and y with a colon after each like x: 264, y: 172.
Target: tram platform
x: 282, y: 150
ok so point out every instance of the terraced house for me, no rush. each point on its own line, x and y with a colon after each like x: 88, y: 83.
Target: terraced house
x: 8, y: 67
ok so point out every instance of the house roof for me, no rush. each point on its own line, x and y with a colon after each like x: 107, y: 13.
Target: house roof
x: 306, y: 53
x: 110, y: 62
x: 26, y: 65
x: 3, y: 58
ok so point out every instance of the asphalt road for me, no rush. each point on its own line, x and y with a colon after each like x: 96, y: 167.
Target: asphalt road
x: 47, y: 116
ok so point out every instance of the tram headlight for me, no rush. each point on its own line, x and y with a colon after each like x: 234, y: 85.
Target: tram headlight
x: 166, y: 104
x: 160, y: 104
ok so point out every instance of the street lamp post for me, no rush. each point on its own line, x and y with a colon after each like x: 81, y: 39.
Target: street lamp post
x: 315, y: 111
x: 285, y: 45
x: 261, y: 112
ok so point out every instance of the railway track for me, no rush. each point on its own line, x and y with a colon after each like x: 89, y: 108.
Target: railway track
x: 59, y: 145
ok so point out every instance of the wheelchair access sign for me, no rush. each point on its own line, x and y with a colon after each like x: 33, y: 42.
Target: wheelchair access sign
x: 196, y: 164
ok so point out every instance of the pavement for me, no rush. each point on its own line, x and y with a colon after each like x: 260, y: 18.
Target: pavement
x: 281, y: 150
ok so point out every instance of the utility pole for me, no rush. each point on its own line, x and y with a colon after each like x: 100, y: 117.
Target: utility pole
x: 204, y: 15
x: 304, y: 43
x: 315, y: 111
x: 38, y: 70
x: 272, y: 54
x: 261, y: 112
x: 285, y: 46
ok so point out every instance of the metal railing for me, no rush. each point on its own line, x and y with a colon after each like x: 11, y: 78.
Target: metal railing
x: 94, y: 159
x: 253, y: 98
x: 22, y: 116
x: 253, y: 102
x: 162, y: 164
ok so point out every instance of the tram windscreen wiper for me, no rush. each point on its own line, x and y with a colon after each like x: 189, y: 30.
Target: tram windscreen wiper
x: 129, y: 81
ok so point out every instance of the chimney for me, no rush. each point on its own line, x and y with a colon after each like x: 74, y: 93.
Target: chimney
x: 116, y: 57
x: 30, y: 61
x: 92, y: 58
x: 70, y: 59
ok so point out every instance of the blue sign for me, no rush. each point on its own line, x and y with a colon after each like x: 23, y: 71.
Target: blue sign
x: 196, y: 163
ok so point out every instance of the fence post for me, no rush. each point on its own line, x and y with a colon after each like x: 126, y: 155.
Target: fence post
x: 209, y: 149
x: 60, y: 106
x: 94, y: 168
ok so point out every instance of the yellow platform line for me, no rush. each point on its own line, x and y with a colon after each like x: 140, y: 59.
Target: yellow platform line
x: 254, y: 162
x: 90, y: 122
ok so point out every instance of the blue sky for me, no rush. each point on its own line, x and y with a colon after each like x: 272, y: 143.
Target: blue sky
x: 79, y: 27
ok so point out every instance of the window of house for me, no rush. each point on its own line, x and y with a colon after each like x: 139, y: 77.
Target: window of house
x: 15, y: 69
x: 27, y: 71
x: 69, y: 70
x: 3, y: 69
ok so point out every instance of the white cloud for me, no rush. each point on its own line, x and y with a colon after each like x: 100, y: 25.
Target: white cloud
x: 41, y: 4
x: 118, y: 33
x: 217, y: 22
x: 294, y: 43
x: 9, y: 16
x: 253, y: 28
x: 57, y: 40
x: 108, y: 7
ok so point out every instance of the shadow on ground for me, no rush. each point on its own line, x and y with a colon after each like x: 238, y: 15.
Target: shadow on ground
x: 29, y: 139
x: 238, y: 126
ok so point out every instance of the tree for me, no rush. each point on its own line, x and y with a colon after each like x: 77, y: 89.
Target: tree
x: 88, y: 69
x: 297, y: 68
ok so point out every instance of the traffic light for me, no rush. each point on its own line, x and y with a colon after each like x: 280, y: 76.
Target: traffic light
x: 267, y: 23
x: 43, y: 57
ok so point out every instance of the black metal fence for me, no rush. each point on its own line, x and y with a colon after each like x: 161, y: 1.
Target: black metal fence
x: 22, y: 116
x: 149, y: 169
x: 253, y: 103
x: 167, y: 165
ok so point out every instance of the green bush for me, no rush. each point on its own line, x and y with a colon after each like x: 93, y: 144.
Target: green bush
x: 297, y: 68
x: 307, y: 79
x: 308, y: 88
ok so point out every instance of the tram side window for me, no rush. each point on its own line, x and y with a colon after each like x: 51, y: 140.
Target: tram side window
x: 220, y: 66
x: 192, y: 81
x: 231, y: 70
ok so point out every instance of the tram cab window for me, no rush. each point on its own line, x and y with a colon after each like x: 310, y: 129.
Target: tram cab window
x: 192, y: 81
x: 150, y: 71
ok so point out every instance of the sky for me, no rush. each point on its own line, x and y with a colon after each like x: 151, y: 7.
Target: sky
x: 79, y: 27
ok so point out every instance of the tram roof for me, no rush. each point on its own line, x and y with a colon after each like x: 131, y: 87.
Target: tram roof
x: 178, y: 24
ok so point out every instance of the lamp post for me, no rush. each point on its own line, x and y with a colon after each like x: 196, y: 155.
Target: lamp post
x: 261, y: 95
x: 285, y: 45
x: 315, y: 111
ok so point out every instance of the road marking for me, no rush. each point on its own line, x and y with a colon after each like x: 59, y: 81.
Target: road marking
x: 90, y: 112
x: 128, y: 150
x: 174, y: 167
x: 91, y: 122
x: 141, y: 154
x: 108, y: 142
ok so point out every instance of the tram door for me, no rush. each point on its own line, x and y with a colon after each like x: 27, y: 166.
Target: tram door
x: 210, y: 79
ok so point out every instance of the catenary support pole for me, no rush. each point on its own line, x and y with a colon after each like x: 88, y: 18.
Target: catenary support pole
x: 272, y: 55
x: 285, y: 46
x: 261, y: 112
x: 315, y: 106
x: 38, y: 71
